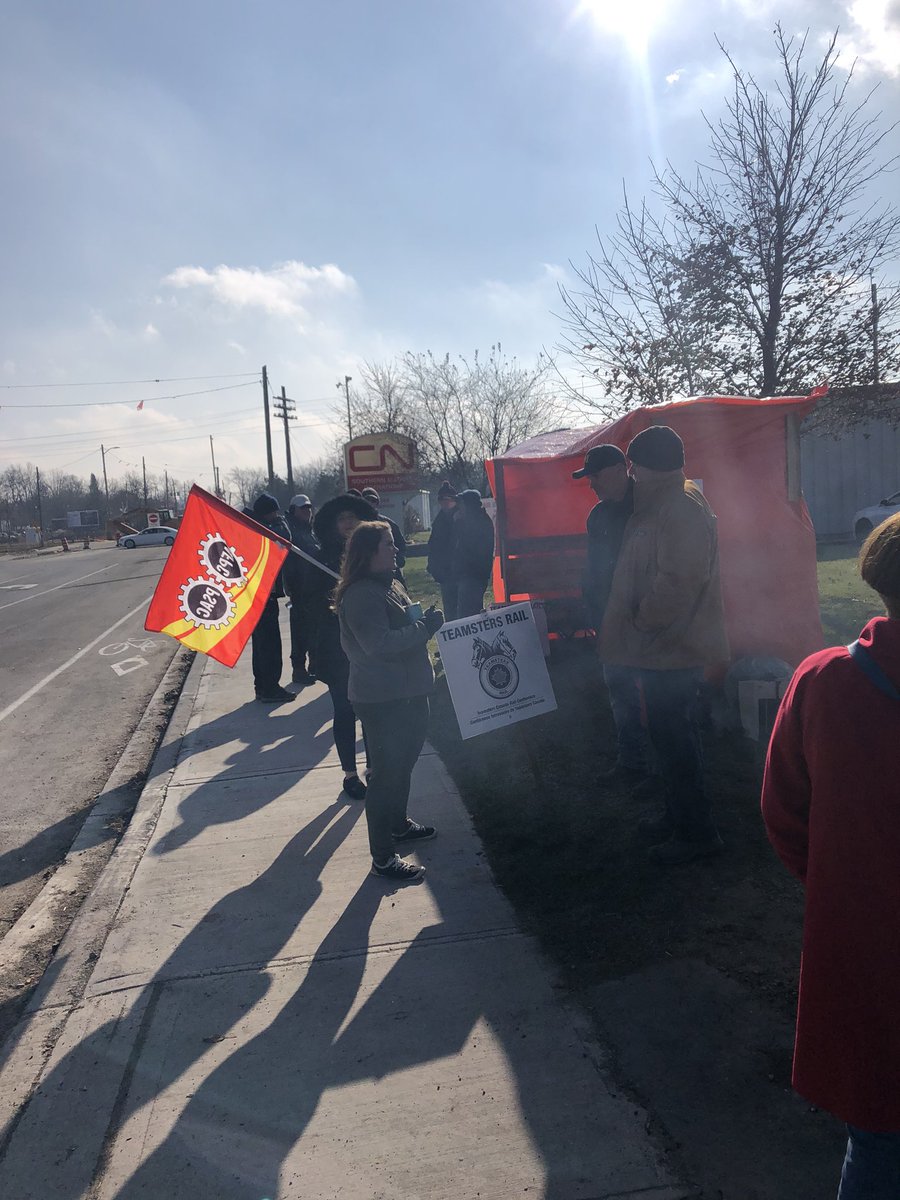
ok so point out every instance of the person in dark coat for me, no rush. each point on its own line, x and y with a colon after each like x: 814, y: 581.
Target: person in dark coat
x: 665, y: 620
x: 473, y: 552
x: 440, y: 549
x: 606, y: 470
x: 400, y: 542
x: 332, y: 526
x: 266, y: 639
x: 831, y: 805
x: 299, y: 519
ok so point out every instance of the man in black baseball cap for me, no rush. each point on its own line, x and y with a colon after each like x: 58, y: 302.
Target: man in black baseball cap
x: 665, y: 621
x: 606, y: 471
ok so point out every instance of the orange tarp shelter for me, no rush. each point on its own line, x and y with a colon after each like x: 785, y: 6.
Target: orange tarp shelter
x: 745, y: 454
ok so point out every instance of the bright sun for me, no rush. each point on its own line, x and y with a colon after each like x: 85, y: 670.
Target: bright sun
x: 632, y: 20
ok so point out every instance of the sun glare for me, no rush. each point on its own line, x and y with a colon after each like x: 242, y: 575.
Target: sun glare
x: 634, y: 21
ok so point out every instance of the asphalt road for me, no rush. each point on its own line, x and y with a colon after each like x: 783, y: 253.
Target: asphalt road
x: 76, y: 672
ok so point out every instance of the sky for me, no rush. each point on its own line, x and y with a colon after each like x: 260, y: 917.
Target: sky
x: 192, y: 190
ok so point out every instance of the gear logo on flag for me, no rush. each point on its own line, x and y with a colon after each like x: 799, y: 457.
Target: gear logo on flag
x: 206, y: 604
x: 221, y: 561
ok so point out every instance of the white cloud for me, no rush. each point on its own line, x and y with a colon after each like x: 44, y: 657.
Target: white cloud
x: 874, y: 39
x: 674, y: 76
x: 287, y: 290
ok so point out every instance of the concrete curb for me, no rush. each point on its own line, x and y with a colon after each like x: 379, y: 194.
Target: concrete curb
x: 31, y: 1041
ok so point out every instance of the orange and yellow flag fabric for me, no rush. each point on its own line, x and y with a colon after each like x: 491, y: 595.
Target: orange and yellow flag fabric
x: 217, y: 579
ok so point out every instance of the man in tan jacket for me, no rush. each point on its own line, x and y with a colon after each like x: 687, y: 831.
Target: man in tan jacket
x: 664, y: 619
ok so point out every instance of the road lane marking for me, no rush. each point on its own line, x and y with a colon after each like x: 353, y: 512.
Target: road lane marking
x: 126, y: 665
x: 33, y: 691
x: 16, y: 587
x: 68, y: 583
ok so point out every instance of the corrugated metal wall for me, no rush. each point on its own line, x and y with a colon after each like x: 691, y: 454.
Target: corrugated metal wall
x: 841, y: 475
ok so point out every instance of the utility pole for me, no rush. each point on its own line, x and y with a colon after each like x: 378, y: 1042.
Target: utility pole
x: 166, y: 473
x: 37, y: 480
x: 105, y: 481
x: 875, y: 314
x: 212, y: 452
x: 286, y: 412
x: 347, y: 379
x: 265, y: 382
x: 144, y: 473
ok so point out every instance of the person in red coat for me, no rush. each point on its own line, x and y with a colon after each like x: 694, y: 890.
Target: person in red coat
x: 831, y: 805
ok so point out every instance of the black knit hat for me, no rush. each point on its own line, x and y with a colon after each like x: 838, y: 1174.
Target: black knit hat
x: 658, y: 448
x: 598, y: 458
x: 264, y: 504
x: 446, y: 491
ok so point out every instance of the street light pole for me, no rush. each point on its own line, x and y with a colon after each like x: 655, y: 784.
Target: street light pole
x: 212, y: 452
x: 346, y: 386
x: 103, y: 454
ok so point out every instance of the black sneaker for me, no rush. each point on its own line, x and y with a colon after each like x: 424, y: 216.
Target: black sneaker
x: 355, y: 788
x: 303, y: 678
x: 399, y: 871
x: 278, y: 696
x: 414, y: 832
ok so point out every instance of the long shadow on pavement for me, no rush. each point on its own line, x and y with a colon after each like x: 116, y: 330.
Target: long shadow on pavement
x: 264, y: 747
x: 103, y: 1066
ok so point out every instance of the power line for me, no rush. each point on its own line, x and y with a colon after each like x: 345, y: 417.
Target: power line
x: 115, y: 430
x: 143, y: 400
x: 126, y: 382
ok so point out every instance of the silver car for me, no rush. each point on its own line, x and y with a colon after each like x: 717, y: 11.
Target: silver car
x: 867, y: 518
x: 153, y: 535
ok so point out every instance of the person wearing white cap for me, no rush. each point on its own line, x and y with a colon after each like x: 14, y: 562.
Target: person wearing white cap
x: 299, y: 518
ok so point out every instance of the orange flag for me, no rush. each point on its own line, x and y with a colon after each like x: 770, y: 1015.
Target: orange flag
x: 217, y: 579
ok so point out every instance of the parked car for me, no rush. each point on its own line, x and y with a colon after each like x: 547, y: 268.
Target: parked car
x: 153, y: 535
x: 867, y: 518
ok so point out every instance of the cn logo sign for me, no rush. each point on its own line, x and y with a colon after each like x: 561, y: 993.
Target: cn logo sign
x: 369, y: 459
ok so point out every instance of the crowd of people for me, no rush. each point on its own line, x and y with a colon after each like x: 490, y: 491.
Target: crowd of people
x: 354, y: 627
x: 652, y: 593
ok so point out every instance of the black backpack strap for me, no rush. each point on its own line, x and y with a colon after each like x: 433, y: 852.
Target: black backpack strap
x: 870, y: 667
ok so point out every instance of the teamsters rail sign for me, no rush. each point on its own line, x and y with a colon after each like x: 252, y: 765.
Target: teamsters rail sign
x: 495, y: 668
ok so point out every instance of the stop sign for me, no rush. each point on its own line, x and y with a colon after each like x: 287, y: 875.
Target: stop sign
x: 152, y: 518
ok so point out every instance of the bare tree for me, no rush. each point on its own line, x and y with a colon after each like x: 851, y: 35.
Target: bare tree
x: 380, y: 403
x: 248, y: 483
x: 756, y: 278
x: 458, y: 411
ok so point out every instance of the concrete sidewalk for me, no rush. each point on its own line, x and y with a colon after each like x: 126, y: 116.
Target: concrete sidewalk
x: 264, y: 1019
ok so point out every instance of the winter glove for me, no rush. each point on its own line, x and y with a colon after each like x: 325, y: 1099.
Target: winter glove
x: 433, y: 619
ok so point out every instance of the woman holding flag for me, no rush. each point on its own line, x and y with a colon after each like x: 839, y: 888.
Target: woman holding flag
x: 332, y: 525
x: 385, y: 637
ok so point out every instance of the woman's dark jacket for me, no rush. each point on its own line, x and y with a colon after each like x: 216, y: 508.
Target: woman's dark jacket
x: 326, y: 658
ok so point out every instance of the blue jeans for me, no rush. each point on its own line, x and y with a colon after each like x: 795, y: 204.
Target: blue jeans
x: 872, y: 1166
x: 625, y: 702
x: 671, y: 701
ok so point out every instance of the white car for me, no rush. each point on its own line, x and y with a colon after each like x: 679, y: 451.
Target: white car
x: 153, y: 535
x: 867, y: 518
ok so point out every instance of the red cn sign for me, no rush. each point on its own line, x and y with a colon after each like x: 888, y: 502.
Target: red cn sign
x: 384, y: 461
